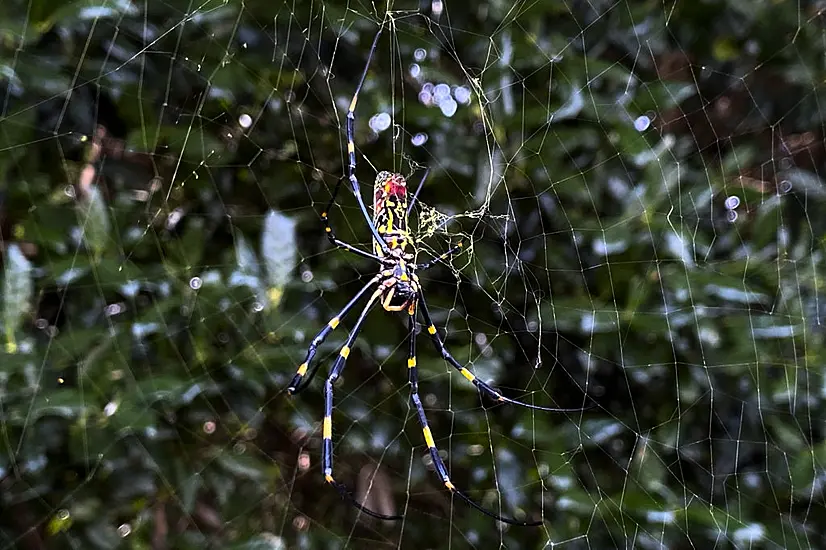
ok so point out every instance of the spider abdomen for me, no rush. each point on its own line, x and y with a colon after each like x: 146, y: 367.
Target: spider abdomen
x: 390, y: 211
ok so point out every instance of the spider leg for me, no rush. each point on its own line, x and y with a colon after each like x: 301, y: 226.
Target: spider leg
x: 438, y: 463
x: 295, y: 385
x: 331, y: 236
x: 327, y: 426
x: 416, y: 194
x: 480, y: 385
x: 433, y: 261
x: 351, y: 149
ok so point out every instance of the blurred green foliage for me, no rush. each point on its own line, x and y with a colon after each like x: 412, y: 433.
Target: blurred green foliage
x: 640, y: 186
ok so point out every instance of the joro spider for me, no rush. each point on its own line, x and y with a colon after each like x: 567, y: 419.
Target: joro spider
x: 397, y: 288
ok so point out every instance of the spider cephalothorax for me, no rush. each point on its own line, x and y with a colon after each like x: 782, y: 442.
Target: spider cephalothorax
x: 400, y: 287
x: 396, y: 287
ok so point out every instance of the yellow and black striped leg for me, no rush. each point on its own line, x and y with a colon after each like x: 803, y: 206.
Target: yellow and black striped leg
x: 327, y: 425
x: 296, y: 385
x: 480, y: 385
x: 438, y: 463
x: 331, y: 236
x: 351, y: 149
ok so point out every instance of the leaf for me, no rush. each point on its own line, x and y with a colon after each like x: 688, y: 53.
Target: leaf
x: 245, y: 466
x: 572, y: 106
x: 803, y: 182
x: 65, y: 403
x: 192, y: 244
x: 59, y: 523
x: 245, y: 257
x: 175, y: 391
x: 807, y: 469
x: 192, y: 142
x: 662, y: 95
x: 15, y: 130
x: 17, y: 293
x: 247, y: 274
x: 94, y: 220
x: 103, y: 534
x: 131, y: 415
x: 262, y: 541
x: 65, y: 13
x: 581, y: 315
x: 279, y: 252
x: 601, y: 432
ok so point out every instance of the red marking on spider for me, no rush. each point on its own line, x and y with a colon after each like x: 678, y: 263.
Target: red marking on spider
x: 395, y: 186
x: 389, y: 185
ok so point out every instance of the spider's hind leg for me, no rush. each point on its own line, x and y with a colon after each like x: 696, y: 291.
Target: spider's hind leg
x: 296, y: 385
x: 480, y: 385
x: 438, y: 463
x: 327, y: 425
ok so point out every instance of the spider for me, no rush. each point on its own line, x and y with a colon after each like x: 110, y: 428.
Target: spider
x: 397, y: 288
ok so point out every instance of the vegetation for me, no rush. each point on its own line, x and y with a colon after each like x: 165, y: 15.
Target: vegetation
x: 639, y: 187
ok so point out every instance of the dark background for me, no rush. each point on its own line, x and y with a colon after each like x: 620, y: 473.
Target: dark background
x: 638, y: 184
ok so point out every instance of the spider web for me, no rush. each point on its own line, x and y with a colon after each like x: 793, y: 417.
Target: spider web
x: 637, y: 187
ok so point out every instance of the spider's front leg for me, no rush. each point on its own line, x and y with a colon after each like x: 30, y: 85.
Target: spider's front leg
x: 350, y: 129
x: 430, y: 263
x: 331, y: 235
